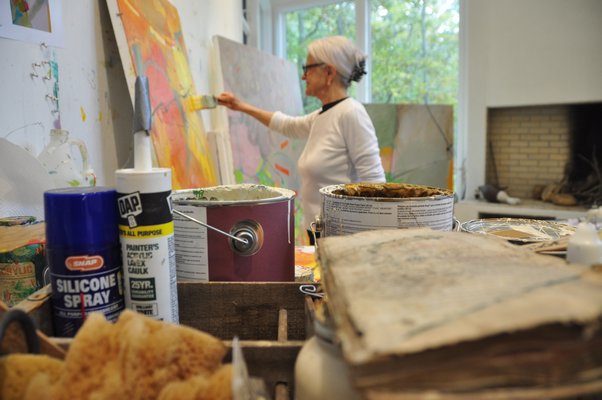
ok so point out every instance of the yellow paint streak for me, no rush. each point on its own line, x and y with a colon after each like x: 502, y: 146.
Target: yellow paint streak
x: 450, y: 174
x: 132, y: 8
x: 100, y: 116
x: 182, y: 78
x: 83, y: 113
x: 386, y: 156
x: 157, y: 35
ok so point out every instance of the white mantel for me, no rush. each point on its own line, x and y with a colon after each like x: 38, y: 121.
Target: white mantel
x: 474, y: 209
x: 522, y: 52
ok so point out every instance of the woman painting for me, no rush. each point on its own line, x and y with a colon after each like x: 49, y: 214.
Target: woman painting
x: 341, y: 142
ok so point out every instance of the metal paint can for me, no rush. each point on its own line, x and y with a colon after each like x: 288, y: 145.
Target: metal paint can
x: 82, y: 248
x: 22, y: 258
x: 262, y: 215
x: 351, y: 208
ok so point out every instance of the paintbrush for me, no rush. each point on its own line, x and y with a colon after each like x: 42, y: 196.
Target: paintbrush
x: 195, y: 103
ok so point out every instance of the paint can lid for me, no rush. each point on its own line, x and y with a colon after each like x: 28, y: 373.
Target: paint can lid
x: 81, y: 216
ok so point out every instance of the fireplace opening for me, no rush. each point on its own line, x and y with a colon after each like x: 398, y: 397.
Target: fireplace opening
x: 583, y: 173
x: 549, y: 153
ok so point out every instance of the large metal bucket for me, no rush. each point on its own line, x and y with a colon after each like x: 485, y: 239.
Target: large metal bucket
x: 260, y: 217
x: 352, y: 208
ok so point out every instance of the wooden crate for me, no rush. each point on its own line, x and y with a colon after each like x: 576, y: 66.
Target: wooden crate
x: 270, y: 320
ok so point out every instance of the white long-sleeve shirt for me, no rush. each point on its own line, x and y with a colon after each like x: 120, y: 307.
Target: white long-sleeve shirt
x: 341, y: 148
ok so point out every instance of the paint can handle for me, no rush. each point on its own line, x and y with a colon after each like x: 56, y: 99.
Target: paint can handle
x: 243, y: 241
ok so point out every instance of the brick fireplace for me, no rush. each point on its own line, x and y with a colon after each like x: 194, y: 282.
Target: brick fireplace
x: 530, y: 146
x: 536, y: 146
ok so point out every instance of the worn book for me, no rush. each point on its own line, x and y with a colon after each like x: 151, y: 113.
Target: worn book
x: 419, y: 311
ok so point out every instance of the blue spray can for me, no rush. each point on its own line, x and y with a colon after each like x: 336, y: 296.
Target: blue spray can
x: 83, y: 254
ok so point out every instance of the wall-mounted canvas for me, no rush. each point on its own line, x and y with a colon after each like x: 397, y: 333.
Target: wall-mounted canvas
x: 151, y: 43
x: 35, y: 21
x: 260, y: 155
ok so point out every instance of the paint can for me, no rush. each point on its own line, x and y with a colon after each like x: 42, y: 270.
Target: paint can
x: 22, y: 258
x: 146, y: 232
x: 357, y: 207
x: 83, y: 255
x: 261, y: 215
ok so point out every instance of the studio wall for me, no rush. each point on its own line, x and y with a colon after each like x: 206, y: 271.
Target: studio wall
x: 87, y: 92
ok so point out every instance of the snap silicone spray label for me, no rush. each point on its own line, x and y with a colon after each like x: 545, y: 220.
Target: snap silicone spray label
x: 86, y: 283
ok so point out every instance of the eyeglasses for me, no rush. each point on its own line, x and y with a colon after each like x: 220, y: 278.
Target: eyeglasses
x: 306, y: 67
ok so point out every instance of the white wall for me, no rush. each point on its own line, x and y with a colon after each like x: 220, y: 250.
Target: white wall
x: 523, y: 52
x: 202, y: 20
x: 94, y: 102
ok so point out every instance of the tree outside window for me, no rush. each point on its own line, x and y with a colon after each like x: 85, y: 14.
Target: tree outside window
x: 413, y: 49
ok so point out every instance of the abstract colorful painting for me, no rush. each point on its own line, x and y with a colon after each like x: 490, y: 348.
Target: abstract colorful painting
x: 151, y: 43
x: 31, y: 13
x: 259, y: 154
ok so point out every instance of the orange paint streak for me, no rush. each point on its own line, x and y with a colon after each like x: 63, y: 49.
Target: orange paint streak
x: 450, y: 175
x: 283, y: 144
x: 282, y: 169
x: 386, y: 157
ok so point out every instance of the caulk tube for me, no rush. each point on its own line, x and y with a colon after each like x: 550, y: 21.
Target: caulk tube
x: 146, y: 233
x: 146, y: 226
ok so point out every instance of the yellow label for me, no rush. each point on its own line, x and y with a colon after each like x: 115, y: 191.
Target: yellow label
x: 147, y: 231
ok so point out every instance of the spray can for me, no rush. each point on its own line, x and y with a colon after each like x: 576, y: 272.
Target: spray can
x: 83, y: 255
x: 147, y: 242
x: 146, y: 226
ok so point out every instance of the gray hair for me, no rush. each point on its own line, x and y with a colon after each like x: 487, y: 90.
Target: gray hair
x: 341, y: 52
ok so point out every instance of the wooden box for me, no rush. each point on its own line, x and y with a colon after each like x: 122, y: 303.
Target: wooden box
x: 270, y: 320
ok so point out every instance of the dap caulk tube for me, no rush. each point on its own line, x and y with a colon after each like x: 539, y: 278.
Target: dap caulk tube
x: 146, y: 226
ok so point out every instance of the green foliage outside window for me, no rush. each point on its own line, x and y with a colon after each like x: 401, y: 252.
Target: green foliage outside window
x: 414, y: 46
x: 415, y: 51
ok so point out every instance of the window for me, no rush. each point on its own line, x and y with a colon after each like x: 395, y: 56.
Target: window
x: 413, y: 44
x: 414, y: 51
x: 308, y: 24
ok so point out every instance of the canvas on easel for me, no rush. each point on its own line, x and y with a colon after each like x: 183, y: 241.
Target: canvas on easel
x: 260, y: 155
x: 416, y: 142
x: 151, y: 43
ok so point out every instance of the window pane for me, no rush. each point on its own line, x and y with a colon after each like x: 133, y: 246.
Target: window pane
x: 307, y: 25
x: 415, y: 51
